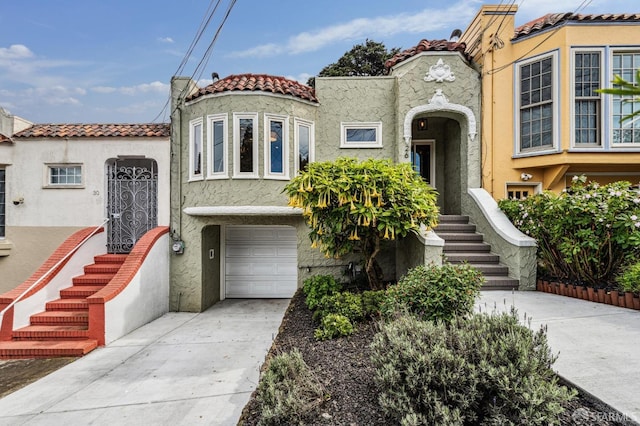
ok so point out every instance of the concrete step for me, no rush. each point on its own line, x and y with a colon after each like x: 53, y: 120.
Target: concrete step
x: 453, y: 218
x: 46, y: 349
x: 499, y: 283
x: 472, y: 258
x: 67, y: 304
x: 51, y: 332
x: 454, y: 227
x: 460, y: 236
x: 60, y: 318
x: 496, y: 269
x: 80, y: 291
x: 466, y: 247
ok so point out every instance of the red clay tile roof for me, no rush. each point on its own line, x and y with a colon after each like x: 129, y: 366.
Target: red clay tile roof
x: 258, y: 83
x: 95, y: 130
x: 555, y: 19
x: 5, y: 139
x: 427, y: 46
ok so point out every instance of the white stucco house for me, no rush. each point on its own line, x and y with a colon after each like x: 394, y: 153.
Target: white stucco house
x: 58, y: 178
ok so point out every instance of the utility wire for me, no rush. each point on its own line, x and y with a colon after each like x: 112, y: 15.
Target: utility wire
x: 204, y: 23
x: 582, y: 5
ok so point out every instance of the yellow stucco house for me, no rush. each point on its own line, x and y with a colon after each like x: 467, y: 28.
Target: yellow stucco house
x: 542, y: 120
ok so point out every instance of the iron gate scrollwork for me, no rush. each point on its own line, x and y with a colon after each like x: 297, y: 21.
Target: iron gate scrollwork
x: 132, y: 203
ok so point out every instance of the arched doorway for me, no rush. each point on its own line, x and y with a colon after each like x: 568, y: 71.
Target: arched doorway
x: 445, y: 134
x: 132, y: 201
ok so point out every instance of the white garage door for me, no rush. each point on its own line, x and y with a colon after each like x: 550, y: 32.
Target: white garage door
x: 261, y: 261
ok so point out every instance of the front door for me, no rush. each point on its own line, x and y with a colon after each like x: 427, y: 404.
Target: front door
x: 423, y: 160
x: 132, y: 201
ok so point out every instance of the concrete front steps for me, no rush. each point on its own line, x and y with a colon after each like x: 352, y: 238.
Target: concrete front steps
x: 463, y: 244
x: 62, y: 329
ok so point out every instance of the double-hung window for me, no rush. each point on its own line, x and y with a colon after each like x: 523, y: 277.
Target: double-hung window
x: 627, y: 132
x: 276, y: 146
x: 195, y: 149
x: 586, y: 101
x: 593, y: 69
x: 536, y: 104
x: 245, y: 145
x: 217, y: 146
x: 304, y: 143
x: 3, y: 198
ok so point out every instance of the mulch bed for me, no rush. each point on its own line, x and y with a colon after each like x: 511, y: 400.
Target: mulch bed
x: 344, y: 368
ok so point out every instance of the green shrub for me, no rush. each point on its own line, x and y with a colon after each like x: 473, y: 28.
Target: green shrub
x: 435, y: 292
x: 629, y: 279
x: 317, y: 287
x: 480, y: 369
x: 584, y: 234
x: 372, y: 301
x: 344, y: 303
x: 288, y: 390
x: 333, y: 325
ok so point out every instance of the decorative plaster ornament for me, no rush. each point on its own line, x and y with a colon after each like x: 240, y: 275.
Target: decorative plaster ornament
x: 439, y: 98
x: 439, y: 72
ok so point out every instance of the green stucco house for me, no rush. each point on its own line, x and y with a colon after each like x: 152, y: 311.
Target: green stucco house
x: 237, y: 142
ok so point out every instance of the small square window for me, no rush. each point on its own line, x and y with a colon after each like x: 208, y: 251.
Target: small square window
x: 64, y: 176
x: 361, y: 135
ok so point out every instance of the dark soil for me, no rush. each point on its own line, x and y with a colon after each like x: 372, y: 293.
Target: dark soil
x: 18, y: 373
x: 344, y: 368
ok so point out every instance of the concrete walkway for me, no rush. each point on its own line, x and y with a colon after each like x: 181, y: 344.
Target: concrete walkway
x: 181, y: 369
x: 599, y: 344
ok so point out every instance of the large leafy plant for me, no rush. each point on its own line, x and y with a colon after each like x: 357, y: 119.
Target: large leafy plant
x: 353, y: 206
x: 586, y: 233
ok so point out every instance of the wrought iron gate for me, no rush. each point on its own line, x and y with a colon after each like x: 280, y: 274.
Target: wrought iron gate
x: 132, y: 202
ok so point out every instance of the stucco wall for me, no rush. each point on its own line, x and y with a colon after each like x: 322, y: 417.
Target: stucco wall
x: 355, y: 100
x: 76, y: 207
x: 31, y: 247
x: 186, y: 269
x: 457, y: 100
x: 234, y: 191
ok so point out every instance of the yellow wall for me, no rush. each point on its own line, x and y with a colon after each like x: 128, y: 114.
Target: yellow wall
x: 492, y: 29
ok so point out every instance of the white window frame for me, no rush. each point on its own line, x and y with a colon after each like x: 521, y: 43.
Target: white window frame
x: 555, y: 111
x: 237, y: 174
x: 48, y: 168
x: 298, y: 123
x: 609, y: 72
x: 193, y: 133
x: 601, y: 119
x: 3, y: 203
x: 345, y: 126
x: 211, y: 119
x: 268, y: 119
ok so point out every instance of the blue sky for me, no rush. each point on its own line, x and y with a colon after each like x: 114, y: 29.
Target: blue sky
x: 98, y: 61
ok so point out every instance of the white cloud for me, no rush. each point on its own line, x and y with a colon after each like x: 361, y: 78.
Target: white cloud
x: 103, y: 89
x: 153, y: 87
x: 141, y: 108
x: 427, y: 20
x: 262, y: 50
x: 300, y: 78
x: 165, y: 40
x: 15, y: 51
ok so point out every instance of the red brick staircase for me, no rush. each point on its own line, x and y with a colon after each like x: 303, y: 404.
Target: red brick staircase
x: 62, y: 330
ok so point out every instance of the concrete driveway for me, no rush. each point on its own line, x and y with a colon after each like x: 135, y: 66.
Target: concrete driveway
x: 181, y: 369
x: 598, y: 345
